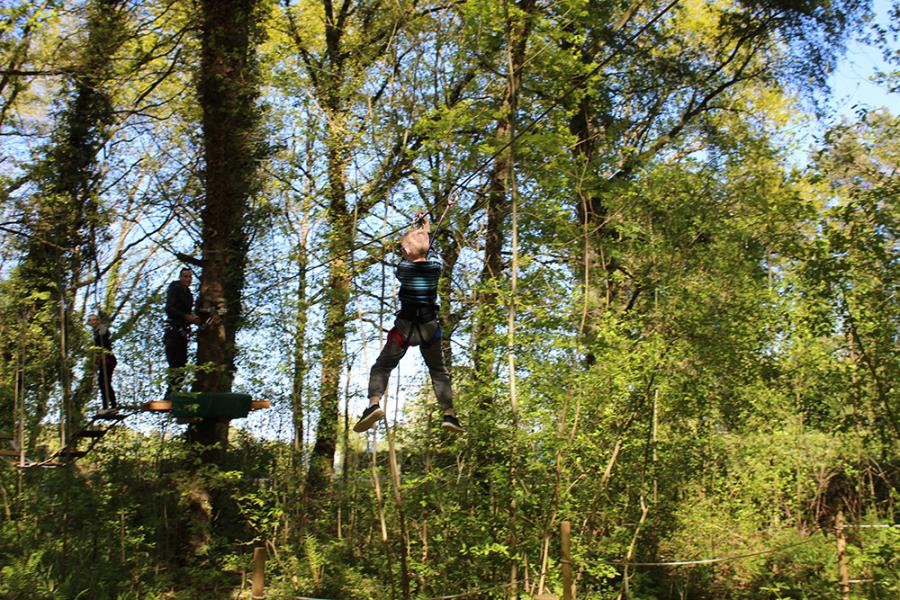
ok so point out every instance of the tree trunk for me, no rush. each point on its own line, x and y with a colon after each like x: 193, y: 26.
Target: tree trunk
x: 449, y: 319
x: 299, y: 358
x: 341, y: 236
x: 340, y: 242
x: 498, y: 189
x: 228, y: 92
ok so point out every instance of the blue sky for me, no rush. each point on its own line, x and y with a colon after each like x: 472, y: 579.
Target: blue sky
x: 851, y: 84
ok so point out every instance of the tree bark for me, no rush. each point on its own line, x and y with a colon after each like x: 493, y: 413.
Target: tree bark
x: 340, y: 242
x: 496, y: 209
x: 228, y: 92
x: 299, y: 357
x: 341, y: 236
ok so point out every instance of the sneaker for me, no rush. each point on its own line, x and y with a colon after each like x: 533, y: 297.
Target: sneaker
x: 451, y: 423
x: 369, y: 417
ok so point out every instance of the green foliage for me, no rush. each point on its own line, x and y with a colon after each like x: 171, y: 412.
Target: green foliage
x: 705, y: 339
x: 28, y: 578
x: 874, y: 554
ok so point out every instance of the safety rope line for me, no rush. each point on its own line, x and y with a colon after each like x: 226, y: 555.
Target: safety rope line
x: 450, y: 202
x: 708, y: 561
x: 475, y: 592
x: 461, y: 184
x: 557, y: 101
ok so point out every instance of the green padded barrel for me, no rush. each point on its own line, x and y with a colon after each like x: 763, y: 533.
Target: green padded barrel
x: 211, y: 405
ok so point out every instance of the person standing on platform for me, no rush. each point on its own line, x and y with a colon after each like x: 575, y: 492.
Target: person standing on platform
x: 179, y: 318
x: 104, y: 362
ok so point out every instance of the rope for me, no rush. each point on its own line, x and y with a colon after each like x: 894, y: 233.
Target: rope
x: 450, y: 597
x: 708, y: 561
x: 474, y: 592
x: 437, y: 226
x: 461, y: 184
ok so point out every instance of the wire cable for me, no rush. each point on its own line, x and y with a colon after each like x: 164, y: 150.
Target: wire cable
x: 461, y: 184
x: 709, y: 561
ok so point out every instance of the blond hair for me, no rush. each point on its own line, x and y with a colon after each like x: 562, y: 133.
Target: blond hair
x: 415, y: 243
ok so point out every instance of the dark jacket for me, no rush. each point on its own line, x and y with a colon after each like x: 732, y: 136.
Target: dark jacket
x: 179, y: 302
x: 103, y: 341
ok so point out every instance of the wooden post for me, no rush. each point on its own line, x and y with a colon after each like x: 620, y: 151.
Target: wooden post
x: 122, y: 537
x: 258, y: 591
x: 568, y: 588
x: 398, y: 501
x: 653, y: 436
x: 19, y: 396
x: 843, y: 574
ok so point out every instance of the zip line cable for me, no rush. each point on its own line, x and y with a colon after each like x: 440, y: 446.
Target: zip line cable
x: 559, y: 99
x: 462, y: 183
x: 475, y: 592
x: 710, y: 561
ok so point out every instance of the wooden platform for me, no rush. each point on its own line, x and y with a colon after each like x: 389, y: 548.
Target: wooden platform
x: 157, y: 406
x: 166, y: 405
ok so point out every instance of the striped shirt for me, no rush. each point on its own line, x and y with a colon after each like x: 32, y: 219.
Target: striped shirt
x: 419, y: 281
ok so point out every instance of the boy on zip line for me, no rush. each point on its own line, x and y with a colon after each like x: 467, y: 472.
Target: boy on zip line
x: 416, y: 324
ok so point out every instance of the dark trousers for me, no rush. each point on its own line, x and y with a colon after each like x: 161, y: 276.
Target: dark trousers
x: 176, y: 344
x: 105, y: 367
x: 403, y: 335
